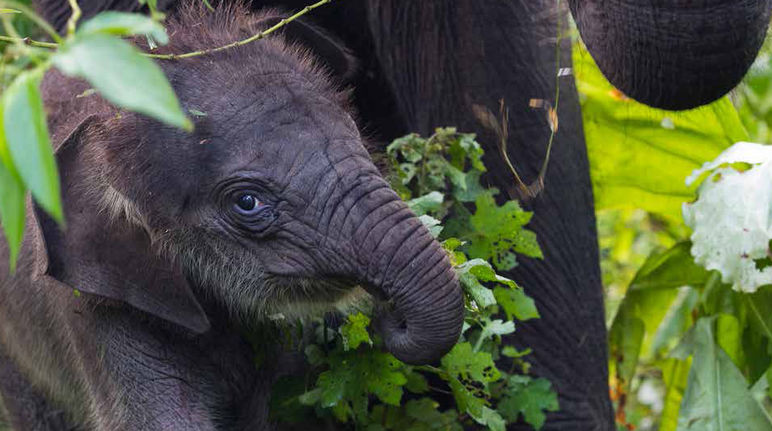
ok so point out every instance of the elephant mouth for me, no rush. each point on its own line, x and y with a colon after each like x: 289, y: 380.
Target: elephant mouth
x: 300, y: 297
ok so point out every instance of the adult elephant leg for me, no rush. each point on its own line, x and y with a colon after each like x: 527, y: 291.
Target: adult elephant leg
x: 444, y: 56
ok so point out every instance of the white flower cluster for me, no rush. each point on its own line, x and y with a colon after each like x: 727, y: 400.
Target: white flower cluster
x: 732, y: 216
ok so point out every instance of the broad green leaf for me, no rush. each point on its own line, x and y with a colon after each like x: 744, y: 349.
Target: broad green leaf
x: 675, y: 373
x: 648, y: 300
x: 717, y: 397
x: 493, y: 420
x: 416, y: 383
x: 124, y: 24
x: 759, y: 306
x: 26, y: 133
x: 673, y: 268
x: 516, y: 303
x: 11, y: 200
x: 495, y: 327
x: 466, y: 364
x: 427, y: 203
x: 625, y: 341
x: 498, y: 232
x: 354, y: 331
x: 729, y: 334
x: 640, y: 156
x: 529, y: 397
x: 466, y: 401
x: 676, y: 322
x: 122, y: 76
x: 481, y: 294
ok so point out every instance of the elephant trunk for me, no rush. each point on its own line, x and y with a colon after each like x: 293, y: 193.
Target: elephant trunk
x: 673, y: 54
x: 421, y: 307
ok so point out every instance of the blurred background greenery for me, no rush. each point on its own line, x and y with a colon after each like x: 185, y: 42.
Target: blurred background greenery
x: 639, y: 159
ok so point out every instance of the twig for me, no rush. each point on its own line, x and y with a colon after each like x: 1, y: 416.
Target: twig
x: 553, y: 125
x: 501, y: 129
x: 39, y: 21
x: 28, y: 41
x: 73, y: 21
x: 250, y: 39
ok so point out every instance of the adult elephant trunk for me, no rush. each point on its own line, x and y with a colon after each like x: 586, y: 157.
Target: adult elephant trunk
x: 421, y: 307
x: 673, y: 54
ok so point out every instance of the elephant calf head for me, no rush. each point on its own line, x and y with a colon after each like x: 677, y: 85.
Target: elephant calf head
x: 272, y: 205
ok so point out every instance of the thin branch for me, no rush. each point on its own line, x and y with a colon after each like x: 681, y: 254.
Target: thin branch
x: 251, y: 39
x: 37, y: 19
x: 28, y: 41
x: 73, y: 21
x: 553, y: 124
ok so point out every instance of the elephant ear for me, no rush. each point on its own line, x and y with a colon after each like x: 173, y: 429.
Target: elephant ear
x: 109, y: 258
x: 329, y: 51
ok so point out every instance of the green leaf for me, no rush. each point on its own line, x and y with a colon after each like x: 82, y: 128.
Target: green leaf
x: 466, y: 401
x: 354, y: 331
x: 675, y: 373
x: 651, y: 294
x: 122, y: 76
x: 353, y: 376
x: 481, y: 294
x: 493, y: 420
x: 625, y: 340
x: 26, y: 133
x: 427, y: 203
x: 516, y: 303
x: 124, y: 24
x: 529, y: 397
x: 432, y: 224
x: 729, y: 335
x: 759, y: 305
x: 717, y: 396
x: 416, y: 383
x: 6, y: 10
x: 498, y: 230
x: 640, y: 156
x: 11, y: 200
x: 464, y: 363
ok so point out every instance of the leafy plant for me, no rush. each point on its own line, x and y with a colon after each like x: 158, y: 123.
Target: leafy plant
x: 679, y: 331
x: 355, y: 382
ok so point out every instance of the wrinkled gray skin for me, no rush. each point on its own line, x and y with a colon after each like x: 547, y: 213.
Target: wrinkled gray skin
x: 170, y: 268
x: 673, y: 54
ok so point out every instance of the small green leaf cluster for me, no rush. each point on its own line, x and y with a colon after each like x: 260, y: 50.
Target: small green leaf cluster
x: 96, y: 53
x: 357, y: 383
x: 441, y: 175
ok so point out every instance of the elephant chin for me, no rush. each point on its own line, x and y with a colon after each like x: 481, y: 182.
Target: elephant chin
x: 673, y: 54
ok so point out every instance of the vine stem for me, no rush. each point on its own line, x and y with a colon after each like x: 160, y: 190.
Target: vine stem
x: 30, y: 42
x: 250, y: 39
x: 73, y: 21
x: 37, y: 19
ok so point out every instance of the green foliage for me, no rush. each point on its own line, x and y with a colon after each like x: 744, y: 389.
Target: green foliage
x: 356, y: 383
x: 640, y: 156
x: 451, y: 162
x: 678, y: 328
x: 96, y: 53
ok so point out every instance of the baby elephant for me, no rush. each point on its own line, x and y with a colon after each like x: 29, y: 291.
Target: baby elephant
x: 133, y: 316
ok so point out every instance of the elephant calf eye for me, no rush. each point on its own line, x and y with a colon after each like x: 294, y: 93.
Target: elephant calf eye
x: 249, y: 203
